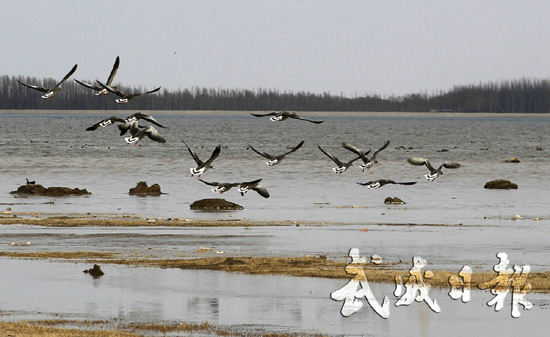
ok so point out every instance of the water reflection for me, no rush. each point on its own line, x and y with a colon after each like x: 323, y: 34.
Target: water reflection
x: 43, y: 289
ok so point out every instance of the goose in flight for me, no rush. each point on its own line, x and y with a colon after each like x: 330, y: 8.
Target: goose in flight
x: 125, y: 123
x: 341, y: 167
x: 100, y: 90
x: 202, y: 166
x: 434, y: 173
x: 50, y: 92
x: 367, y: 162
x: 125, y: 97
x: 138, y: 134
x: 381, y: 182
x: 220, y: 187
x: 274, y: 160
x: 254, y: 185
x: 279, y: 116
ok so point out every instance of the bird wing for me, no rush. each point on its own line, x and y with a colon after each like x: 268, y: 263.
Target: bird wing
x: 112, y: 119
x: 194, y: 155
x: 113, y: 71
x: 215, y: 154
x: 134, y: 129
x: 450, y: 165
x: 304, y: 119
x: 67, y: 76
x: 35, y: 87
x: 380, y: 149
x: 355, y: 150
x: 147, y: 92
x: 263, y: 154
x: 294, y: 148
x: 261, y: 190
x: 405, y: 183
x: 334, y: 159
x: 366, y: 183
x: 87, y: 85
x: 421, y: 161
x: 111, y: 89
x: 147, y: 117
x: 153, y: 134
x: 264, y: 115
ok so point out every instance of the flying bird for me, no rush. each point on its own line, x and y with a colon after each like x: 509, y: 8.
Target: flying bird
x: 220, y: 187
x: 274, y: 160
x: 138, y: 134
x: 341, y: 167
x: 367, y: 162
x: 125, y: 123
x: 202, y: 166
x: 100, y: 90
x: 51, y: 92
x: 254, y: 185
x: 125, y: 97
x: 434, y: 173
x: 279, y: 116
x: 381, y: 182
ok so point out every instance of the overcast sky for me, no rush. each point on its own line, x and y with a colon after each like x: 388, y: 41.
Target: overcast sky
x: 351, y: 47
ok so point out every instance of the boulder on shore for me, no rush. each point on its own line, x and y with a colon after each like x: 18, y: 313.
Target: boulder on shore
x: 39, y: 190
x: 215, y: 204
x: 501, y: 184
x: 142, y: 189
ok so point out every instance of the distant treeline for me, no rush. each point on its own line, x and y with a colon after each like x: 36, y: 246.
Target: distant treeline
x: 520, y: 96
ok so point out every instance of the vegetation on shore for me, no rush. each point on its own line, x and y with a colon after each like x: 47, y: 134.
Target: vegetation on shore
x: 515, y: 96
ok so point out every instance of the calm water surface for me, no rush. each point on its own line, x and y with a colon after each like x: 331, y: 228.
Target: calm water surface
x: 55, y: 150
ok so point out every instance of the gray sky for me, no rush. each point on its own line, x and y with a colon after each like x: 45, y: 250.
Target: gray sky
x: 351, y: 47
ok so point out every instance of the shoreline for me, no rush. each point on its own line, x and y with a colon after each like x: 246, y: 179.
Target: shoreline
x: 305, y: 113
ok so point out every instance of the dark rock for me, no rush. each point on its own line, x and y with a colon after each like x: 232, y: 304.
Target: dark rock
x: 95, y: 271
x: 396, y: 200
x: 39, y: 190
x: 215, y: 204
x: 142, y: 189
x: 501, y: 184
x: 512, y: 160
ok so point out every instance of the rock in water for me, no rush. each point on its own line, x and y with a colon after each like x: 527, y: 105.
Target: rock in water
x: 142, y: 189
x: 501, y: 184
x: 396, y: 200
x: 215, y: 204
x: 39, y: 190
x: 95, y: 271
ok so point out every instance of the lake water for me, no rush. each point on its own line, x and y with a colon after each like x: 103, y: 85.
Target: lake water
x: 55, y: 150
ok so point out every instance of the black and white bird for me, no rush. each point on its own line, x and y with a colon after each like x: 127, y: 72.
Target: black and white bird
x: 279, y: 116
x: 254, y: 185
x: 125, y: 97
x: 100, y: 91
x: 373, y: 184
x: 50, y: 92
x: 125, y: 123
x: 274, y: 160
x: 202, y: 166
x: 434, y: 173
x: 220, y: 187
x: 138, y: 134
x: 341, y: 166
x: 367, y: 162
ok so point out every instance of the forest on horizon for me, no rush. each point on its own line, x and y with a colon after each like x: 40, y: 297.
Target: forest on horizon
x: 511, y: 96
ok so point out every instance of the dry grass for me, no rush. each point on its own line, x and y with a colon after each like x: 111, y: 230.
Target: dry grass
x: 48, y: 328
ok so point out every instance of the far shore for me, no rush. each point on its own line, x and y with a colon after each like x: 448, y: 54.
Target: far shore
x: 304, y: 113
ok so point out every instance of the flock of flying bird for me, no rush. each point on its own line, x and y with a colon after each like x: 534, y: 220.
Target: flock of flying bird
x: 138, y: 132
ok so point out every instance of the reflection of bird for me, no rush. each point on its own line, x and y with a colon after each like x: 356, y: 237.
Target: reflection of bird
x: 367, y: 162
x: 279, y: 116
x: 138, y: 134
x: 253, y: 185
x: 51, y: 92
x: 126, y: 123
x: 274, y: 160
x: 100, y: 90
x: 434, y: 173
x: 341, y: 167
x: 220, y: 187
x: 381, y: 182
x: 124, y: 97
x: 202, y: 166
